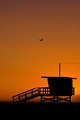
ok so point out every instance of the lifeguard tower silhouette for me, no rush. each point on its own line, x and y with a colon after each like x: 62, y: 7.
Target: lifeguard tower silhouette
x: 59, y: 89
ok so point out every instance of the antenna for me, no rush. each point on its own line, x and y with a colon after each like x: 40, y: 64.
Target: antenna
x: 59, y: 69
x: 64, y: 63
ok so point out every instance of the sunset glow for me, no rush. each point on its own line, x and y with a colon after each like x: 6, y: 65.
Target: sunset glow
x: 23, y: 58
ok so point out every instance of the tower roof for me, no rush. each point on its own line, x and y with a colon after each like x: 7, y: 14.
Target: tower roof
x: 63, y: 77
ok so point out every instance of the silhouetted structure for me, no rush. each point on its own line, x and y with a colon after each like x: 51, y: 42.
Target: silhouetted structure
x: 59, y: 88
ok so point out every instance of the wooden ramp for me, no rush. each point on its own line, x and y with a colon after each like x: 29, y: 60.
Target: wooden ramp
x: 30, y: 94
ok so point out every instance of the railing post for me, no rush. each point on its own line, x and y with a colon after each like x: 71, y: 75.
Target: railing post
x: 32, y: 92
x: 39, y: 90
x: 25, y: 95
x: 19, y: 98
x: 13, y: 99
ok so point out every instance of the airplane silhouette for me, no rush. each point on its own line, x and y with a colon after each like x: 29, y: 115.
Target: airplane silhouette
x: 40, y: 39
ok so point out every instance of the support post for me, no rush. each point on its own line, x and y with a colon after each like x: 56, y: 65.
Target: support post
x: 41, y: 98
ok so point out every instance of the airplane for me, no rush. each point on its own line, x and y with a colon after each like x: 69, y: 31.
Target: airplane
x: 40, y: 39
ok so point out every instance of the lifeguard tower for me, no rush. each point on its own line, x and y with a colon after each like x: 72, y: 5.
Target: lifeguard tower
x: 61, y: 88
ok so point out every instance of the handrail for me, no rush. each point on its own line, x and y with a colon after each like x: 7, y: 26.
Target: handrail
x: 23, y: 92
x: 26, y: 93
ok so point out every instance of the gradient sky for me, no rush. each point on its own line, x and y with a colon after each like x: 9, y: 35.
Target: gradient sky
x: 23, y: 58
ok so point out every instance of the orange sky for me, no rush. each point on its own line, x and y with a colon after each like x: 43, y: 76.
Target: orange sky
x: 23, y: 58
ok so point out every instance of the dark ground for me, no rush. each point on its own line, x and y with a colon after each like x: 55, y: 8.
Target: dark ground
x: 40, y: 110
